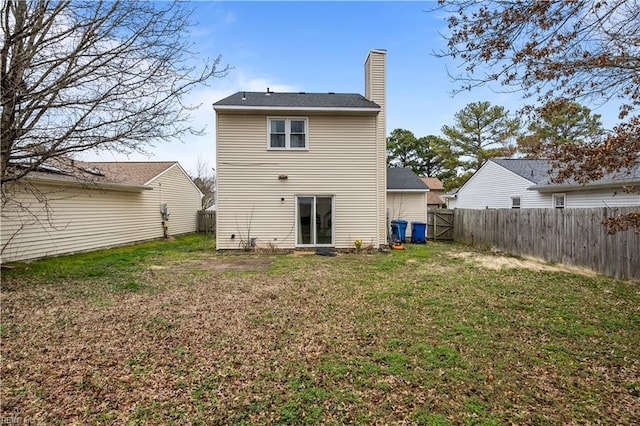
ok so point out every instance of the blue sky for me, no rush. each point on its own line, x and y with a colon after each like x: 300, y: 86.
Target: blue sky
x: 321, y: 47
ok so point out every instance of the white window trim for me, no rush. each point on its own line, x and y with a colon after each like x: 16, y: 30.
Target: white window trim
x: 333, y: 219
x: 558, y: 195
x: 287, y: 130
x: 513, y: 197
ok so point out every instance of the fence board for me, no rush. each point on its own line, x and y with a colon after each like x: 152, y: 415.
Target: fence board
x: 569, y: 236
x: 206, y: 222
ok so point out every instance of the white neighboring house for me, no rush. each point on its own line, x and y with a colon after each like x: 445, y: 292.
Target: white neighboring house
x: 406, y: 197
x: 112, y: 204
x: 526, y: 183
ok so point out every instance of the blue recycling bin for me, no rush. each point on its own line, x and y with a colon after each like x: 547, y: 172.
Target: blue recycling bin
x: 418, y: 232
x: 398, y: 230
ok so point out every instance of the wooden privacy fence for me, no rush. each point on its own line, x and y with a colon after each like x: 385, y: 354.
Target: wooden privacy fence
x: 568, y: 236
x: 206, y: 222
x: 440, y: 224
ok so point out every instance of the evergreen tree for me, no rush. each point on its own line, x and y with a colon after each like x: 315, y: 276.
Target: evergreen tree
x: 481, y: 131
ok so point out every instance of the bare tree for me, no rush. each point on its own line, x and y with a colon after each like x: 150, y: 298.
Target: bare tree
x: 586, y: 50
x: 93, y: 75
x: 205, y: 179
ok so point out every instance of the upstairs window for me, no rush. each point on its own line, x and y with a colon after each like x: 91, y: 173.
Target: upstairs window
x: 288, y: 133
x: 558, y: 201
x: 515, y: 202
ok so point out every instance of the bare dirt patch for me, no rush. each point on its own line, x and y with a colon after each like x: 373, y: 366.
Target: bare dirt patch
x: 240, y: 264
x: 497, y: 262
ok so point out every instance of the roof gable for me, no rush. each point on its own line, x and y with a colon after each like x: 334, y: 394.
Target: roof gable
x: 481, y: 172
x: 404, y: 179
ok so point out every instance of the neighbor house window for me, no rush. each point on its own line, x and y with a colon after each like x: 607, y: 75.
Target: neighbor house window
x: 515, y: 202
x: 288, y: 133
x: 558, y: 201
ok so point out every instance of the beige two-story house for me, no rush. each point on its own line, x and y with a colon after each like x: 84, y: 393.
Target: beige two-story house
x: 301, y: 170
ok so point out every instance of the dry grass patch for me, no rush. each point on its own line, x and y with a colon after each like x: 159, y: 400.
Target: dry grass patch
x: 186, y: 336
x: 500, y: 261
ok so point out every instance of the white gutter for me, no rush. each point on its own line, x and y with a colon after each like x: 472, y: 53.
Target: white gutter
x: 578, y: 187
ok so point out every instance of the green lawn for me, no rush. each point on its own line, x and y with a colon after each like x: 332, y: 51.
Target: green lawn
x: 173, y: 333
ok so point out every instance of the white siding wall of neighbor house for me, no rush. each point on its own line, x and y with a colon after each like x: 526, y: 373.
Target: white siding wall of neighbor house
x: 253, y: 202
x: 493, y: 186
x: 182, y: 197
x: 409, y: 206
x: 83, y: 219
x: 601, y: 197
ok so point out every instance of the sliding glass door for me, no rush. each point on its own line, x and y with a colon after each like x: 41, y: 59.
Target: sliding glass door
x: 314, y: 220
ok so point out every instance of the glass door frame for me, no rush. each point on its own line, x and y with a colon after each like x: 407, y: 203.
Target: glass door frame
x: 314, y: 236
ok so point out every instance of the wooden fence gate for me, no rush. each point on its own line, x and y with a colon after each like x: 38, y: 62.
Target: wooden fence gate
x: 440, y: 224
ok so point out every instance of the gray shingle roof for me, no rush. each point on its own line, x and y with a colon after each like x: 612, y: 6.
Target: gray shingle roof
x: 125, y: 173
x: 297, y: 100
x: 404, y: 179
x: 540, y: 172
x: 536, y: 171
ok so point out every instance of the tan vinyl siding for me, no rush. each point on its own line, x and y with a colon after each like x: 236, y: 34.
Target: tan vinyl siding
x: 409, y: 206
x: 182, y: 197
x: 82, y: 219
x: 375, y: 90
x: 340, y: 162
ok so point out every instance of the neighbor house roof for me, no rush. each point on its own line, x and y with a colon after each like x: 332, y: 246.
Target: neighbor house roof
x: 136, y: 173
x: 434, y: 184
x: 536, y: 171
x: 297, y: 101
x: 540, y: 171
x: 126, y: 176
x: 404, y: 179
